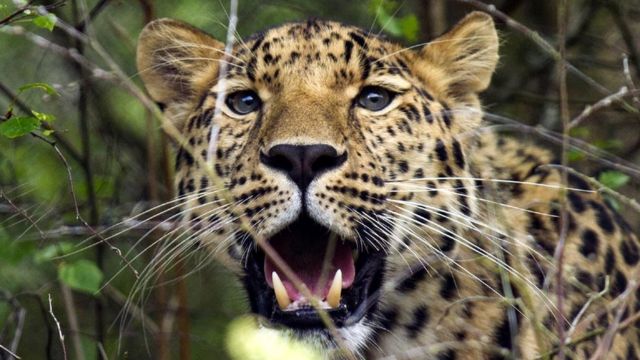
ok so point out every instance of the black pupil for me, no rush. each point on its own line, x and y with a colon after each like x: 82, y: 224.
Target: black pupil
x: 243, y: 102
x: 247, y: 100
x: 374, y: 98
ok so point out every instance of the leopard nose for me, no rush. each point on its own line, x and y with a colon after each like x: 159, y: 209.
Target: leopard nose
x: 303, y: 163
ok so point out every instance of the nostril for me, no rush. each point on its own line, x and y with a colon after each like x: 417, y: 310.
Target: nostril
x: 322, y: 163
x: 302, y: 163
x: 327, y: 162
x: 281, y: 162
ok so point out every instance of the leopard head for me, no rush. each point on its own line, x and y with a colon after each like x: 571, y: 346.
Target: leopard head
x: 303, y: 137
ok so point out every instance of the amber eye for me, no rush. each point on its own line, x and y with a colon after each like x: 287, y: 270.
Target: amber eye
x: 374, y: 98
x: 243, y: 102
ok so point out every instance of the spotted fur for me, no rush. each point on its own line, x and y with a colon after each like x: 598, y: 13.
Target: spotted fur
x: 470, y: 271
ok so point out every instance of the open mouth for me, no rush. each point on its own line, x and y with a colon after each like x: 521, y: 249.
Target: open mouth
x: 342, y: 280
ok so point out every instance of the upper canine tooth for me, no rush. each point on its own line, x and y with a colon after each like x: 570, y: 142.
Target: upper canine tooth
x: 281, y: 293
x: 335, y: 291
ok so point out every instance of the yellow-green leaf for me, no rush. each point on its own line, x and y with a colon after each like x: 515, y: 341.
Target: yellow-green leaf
x: 47, y: 21
x: 246, y: 342
x: 42, y: 86
x: 19, y: 126
x: 43, y: 117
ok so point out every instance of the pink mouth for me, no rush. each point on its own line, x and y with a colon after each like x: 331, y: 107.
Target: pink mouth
x: 308, y: 258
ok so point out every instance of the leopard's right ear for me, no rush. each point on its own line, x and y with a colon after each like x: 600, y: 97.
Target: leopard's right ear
x: 176, y: 61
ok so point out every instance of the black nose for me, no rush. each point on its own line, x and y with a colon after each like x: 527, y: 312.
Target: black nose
x: 302, y: 163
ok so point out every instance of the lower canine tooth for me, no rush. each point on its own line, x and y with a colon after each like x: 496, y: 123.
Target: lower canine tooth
x: 335, y: 291
x: 281, y: 293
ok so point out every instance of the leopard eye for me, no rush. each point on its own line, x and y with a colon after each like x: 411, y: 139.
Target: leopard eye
x: 374, y: 98
x: 243, y: 102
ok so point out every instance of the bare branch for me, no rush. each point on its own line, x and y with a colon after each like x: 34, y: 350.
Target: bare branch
x: 60, y: 334
x: 9, y: 352
x: 603, y: 103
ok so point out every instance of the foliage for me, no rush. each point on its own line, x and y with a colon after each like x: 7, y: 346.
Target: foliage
x: 120, y: 164
x: 386, y: 15
x: 82, y: 275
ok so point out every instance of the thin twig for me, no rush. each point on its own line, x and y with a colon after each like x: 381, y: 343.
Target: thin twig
x: 564, y: 220
x: 93, y: 13
x: 9, y: 352
x: 602, y: 188
x: 87, y: 166
x: 537, y: 39
x: 81, y: 219
x: 628, y: 78
x: 13, y: 98
x: 15, y: 14
x: 607, y: 340
x: 72, y: 318
x: 626, y: 32
x: 60, y: 334
x: 601, y: 104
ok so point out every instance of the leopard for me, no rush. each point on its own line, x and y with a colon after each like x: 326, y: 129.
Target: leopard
x: 353, y: 186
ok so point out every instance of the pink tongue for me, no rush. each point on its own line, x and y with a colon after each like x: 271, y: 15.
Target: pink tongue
x: 306, y: 261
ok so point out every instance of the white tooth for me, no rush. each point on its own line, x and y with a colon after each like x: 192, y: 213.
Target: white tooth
x: 333, y: 296
x: 281, y: 292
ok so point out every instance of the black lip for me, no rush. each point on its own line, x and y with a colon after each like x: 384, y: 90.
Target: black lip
x: 358, y: 300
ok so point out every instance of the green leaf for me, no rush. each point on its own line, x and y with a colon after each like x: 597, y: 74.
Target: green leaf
x: 609, y: 144
x: 575, y: 155
x: 19, y: 126
x: 45, y: 21
x: 409, y: 27
x: 82, y: 275
x: 48, y: 132
x: 613, y: 179
x: 52, y: 251
x: 580, y: 132
x: 43, y: 117
x: 42, y: 86
x: 386, y: 16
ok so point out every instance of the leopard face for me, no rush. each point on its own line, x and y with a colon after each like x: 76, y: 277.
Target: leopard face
x: 301, y: 138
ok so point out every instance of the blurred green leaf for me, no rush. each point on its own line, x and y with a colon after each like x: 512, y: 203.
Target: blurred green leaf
x: 52, y: 251
x: 386, y: 16
x: 608, y: 144
x: 39, y: 85
x: 82, y: 275
x: 575, y: 155
x: 13, y: 251
x: 409, y: 27
x: 47, y: 21
x: 580, y: 132
x: 613, y: 179
x: 19, y: 126
x: 246, y: 342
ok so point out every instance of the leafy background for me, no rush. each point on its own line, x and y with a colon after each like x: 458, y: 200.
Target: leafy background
x: 53, y: 110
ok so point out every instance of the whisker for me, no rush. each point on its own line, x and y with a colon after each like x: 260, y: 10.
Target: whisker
x: 451, y: 191
x: 439, y: 229
x: 552, y: 186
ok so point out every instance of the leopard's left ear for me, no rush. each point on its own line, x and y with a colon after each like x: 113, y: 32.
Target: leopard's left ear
x: 467, y: 55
